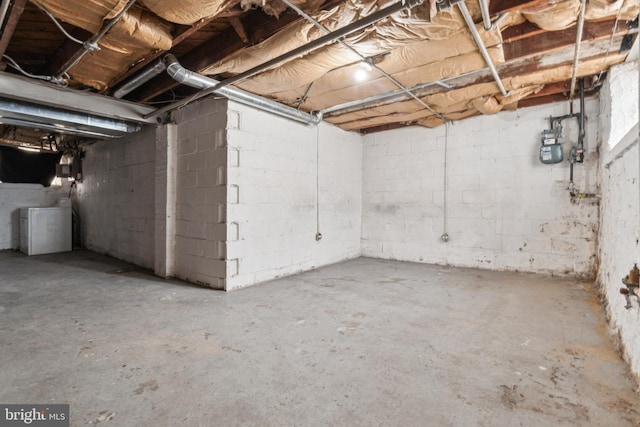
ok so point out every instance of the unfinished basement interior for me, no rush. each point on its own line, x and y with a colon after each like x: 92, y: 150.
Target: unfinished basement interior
x: 319, y: 212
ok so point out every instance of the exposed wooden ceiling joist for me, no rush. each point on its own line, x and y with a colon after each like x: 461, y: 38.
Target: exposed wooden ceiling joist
x: 10, y: 26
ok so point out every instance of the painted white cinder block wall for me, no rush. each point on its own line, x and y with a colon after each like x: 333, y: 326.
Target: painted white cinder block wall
x: 505, y: 209
x: 16, y: 196
x: 116, y: 198
x: 271, y: 199
x: 201, y: 192
x: 620, y: 229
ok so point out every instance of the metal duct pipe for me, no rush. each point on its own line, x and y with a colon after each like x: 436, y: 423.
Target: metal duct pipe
x: 576, y: 55
x: 190, y: 78
x: 315, y: 44
x: 483, y: 50
x: 486, y: 18
x: 63, y: 121
x: 92, y: 44
x: 140, y: 79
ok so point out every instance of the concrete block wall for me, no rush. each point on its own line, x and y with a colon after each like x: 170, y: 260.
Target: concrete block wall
x: 620, y: 221
x: 116, y: 198
x: 272, y: 191
x: 16, y: 196
x: 505, y: 210
x: 201, y: 193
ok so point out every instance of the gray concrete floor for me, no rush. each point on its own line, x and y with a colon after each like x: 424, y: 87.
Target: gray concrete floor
x: 364, y: 342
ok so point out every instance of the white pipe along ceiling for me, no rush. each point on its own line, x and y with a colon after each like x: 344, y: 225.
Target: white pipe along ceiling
x: 86, y: 69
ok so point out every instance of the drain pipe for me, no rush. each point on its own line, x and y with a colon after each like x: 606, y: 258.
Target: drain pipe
x: 140, y: 79
x: 198, y: 81
x: 91, y: 45
x: 486, y: 18
x: 300, y: 51
x: 483, y: 50
x: 576, y: 55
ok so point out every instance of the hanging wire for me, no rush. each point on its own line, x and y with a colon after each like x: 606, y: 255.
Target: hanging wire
x: 64, y: 81
x: 55, y: 21
x: 318, y: 234
x: 445, y: 235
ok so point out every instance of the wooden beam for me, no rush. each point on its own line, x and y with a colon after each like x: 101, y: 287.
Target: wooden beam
x: 541, y: 100
x: 66, y: 51
x: 536, y: 43
x: 497, y: 7
x: 522, y: 31
x: 236, y: 23
x: 388, y: 126
x: 12, y: 23
x: 231, y: 12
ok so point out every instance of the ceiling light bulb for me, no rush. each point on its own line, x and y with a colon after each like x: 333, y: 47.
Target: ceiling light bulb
x: 367, y: 66
x: 361, y: 75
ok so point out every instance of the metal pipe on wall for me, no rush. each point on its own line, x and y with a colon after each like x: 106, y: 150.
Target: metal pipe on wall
x: 193, y: 79
x: 483, y: 49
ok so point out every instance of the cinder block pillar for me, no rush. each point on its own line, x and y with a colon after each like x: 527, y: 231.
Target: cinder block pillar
x: 165, y: 200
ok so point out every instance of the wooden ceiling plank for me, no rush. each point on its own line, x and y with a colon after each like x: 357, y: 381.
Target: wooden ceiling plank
x: 66, y: 51
x: 497, y: 7
x: 236, y: 23
x: 11, y: 24
x: 388, y: 126
x: 540, y: 43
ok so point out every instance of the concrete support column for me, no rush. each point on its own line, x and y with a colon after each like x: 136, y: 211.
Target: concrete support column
x: 165, y: 200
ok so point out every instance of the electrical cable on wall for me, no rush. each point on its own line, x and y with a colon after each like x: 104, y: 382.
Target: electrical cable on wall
x: 318, y: 234
x: 445, y: 235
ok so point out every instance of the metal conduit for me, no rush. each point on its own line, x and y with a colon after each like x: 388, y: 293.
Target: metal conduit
x: 140, y: 79
x: 315, y: 44
x: 486, y: 18
x: 483, y: 50
x: 92, y: 43
x: 576, y: 56
x: 360, y: 104
x: 198, y: 81
x: 363, y: 58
